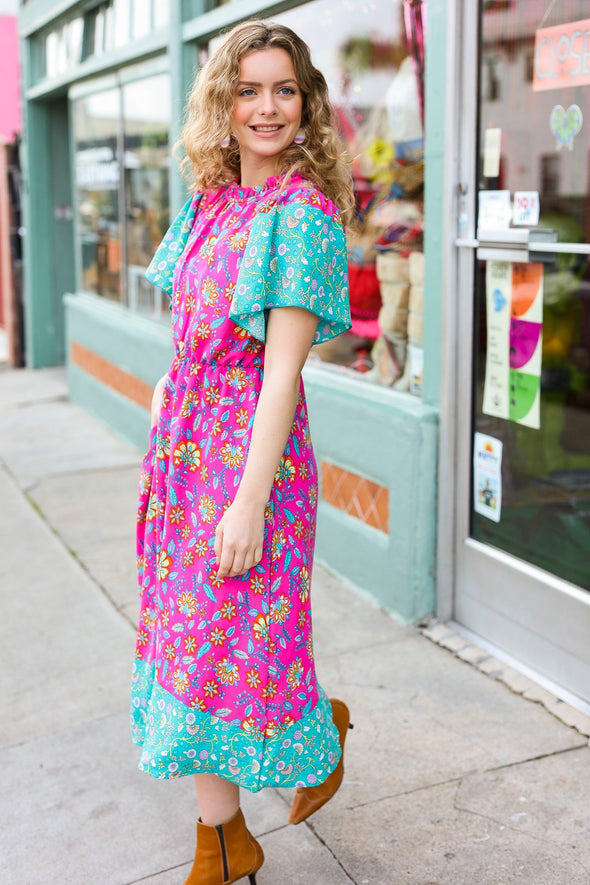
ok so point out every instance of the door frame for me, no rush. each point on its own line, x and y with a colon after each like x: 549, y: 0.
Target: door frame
x: 527, y: 598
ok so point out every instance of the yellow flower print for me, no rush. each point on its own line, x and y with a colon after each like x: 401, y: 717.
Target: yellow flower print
x: 162, y: 447
x: 216, y: 580
x: 261, y: 627
x: 303, y: 583
x: 204, y: 473
x: 203, y: 331
x: 180, y: 681
x: 201, y: 547
x: 253, y: 678
x: 176, y: 515
x: 313, y: 496
x: 155, y: 507
x: 198, y: 704
x: 249, y: 724
x: 165, y: 617
x: 232, y: 455
x: 301, y: 619
x: 187, y: 454
x: 257, y: 583
x: 142, y: 637
x: 285, y: 471
x: 239, y: 332
x: 303, y: 470
x: 145, y: 481
x: 227, y: 673
x: 294, y: 673
x: 163, y: 565
x: 211, y: 688
x: 190, y: 303
x: 278, y: 543
x: 228, y: 610
x: 217, y: 636
x: 185, y: 532
x: 190, y: 645
x: 186, y: 604
x: 169, y: 651
x: 309, y: 648
x: 280, y: 609
x: 216, y: 428
x: 207, y: 508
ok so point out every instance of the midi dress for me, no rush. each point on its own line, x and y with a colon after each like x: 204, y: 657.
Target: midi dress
x: 224, y: 679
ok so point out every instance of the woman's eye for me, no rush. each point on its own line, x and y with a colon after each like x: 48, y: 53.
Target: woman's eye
x: 247, y: 92
x: 287, y: 90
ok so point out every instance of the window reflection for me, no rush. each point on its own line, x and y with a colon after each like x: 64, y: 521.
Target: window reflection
x: 96, y: 124
x: 146, y: 108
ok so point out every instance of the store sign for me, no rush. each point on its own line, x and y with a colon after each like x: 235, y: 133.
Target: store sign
x: 562, y: 56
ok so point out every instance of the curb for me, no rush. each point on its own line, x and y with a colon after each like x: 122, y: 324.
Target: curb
x: 445, y: 637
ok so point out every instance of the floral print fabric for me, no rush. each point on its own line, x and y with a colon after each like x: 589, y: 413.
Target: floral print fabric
x: 224, y: 677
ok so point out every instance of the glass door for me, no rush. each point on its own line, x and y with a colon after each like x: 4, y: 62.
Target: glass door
x: 523, y: 559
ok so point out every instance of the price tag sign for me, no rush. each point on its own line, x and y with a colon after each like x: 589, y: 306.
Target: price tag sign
x: 526, y: 208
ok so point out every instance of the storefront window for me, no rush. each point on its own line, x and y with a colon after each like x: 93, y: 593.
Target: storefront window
x: 372, y: 55
x: 146, y: 110
x: 532, y: 334
x: 122, y: 157
x: 96, y: 127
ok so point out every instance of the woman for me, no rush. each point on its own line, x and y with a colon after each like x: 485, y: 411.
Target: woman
x: 224, y: 685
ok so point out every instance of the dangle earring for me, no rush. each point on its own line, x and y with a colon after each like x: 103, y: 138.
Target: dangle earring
x: 300, y: 137
x: 225, y: 142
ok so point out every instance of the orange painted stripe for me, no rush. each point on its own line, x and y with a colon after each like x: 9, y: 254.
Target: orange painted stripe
x: 355, y: 495
x: 112, y: 376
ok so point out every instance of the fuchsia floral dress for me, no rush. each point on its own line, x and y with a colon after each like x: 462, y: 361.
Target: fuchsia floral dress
x: 224, y: 677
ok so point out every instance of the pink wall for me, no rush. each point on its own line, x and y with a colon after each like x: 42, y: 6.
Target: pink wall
x: 10, y: 106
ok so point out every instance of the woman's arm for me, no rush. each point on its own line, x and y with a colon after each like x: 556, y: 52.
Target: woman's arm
x: 239, y: 535
x: 157, y: 399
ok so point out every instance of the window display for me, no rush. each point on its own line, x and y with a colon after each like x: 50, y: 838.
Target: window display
x: 372, y: 56
x: 122, y: 169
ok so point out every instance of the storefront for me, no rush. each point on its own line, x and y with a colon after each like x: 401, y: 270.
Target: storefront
x: 451, y: 424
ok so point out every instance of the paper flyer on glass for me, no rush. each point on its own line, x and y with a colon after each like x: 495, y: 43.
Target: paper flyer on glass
x: 487, y: 476
x: 514, y: 311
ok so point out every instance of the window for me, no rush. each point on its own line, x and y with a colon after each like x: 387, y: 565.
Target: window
x: 372, y: 55
x: 122, y: 168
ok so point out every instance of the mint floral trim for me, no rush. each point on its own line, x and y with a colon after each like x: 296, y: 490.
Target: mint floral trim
x: 177, y: 741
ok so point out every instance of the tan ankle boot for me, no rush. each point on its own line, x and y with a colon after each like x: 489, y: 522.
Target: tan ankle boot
x: 225, y: 853
x: 309, y: 799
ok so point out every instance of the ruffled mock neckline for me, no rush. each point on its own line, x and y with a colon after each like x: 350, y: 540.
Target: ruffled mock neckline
x: 236, y: 190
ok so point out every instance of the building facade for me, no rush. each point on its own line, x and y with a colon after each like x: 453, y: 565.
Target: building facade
x: 451, y: 425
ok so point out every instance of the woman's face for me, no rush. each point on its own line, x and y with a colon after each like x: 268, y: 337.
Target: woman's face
x: 267, y: 109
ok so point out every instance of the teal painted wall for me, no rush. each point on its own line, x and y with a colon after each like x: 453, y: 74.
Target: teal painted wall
x: 136, y: 345
x: 391, y: 439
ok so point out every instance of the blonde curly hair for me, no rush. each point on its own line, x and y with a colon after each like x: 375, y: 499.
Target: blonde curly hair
x: 321, y: 158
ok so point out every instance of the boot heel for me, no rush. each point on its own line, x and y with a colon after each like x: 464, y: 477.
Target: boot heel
x: 252, y: 879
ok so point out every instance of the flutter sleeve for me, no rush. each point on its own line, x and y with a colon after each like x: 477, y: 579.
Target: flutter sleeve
x: 161, y: 269
x: 295, y: 257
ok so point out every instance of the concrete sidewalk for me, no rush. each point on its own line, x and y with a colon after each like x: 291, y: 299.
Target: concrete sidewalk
x: 451, y: 777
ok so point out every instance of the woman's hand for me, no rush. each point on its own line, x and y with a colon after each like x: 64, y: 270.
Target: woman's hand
x: 238, y: 539
x: 157, y: 399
